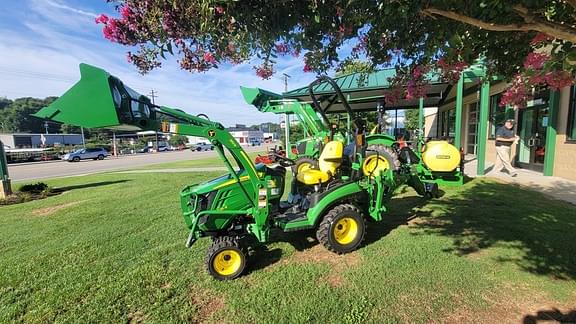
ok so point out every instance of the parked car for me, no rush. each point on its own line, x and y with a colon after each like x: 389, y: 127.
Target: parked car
x: 96, y: 153
x: 202, y: 147
x: 163, y: 148
x: 145, y: 149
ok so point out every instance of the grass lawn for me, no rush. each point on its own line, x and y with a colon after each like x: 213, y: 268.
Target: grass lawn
x: 204, y: 162
x: 111, y: 249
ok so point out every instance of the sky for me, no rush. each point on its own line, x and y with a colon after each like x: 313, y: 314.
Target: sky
x: 42, y: 42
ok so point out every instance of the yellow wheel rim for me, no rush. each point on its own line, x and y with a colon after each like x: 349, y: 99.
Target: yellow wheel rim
x: 346, y: 230
x: 375, y: 164
x: 304, y: 167
x: 227, y: 262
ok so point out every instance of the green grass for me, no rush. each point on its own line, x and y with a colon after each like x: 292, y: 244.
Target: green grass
x: 111, y: 249
x: 203, y: 162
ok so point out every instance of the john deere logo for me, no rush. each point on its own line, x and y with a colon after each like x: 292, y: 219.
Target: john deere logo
x: 443, y: 157
x: 211, y: 133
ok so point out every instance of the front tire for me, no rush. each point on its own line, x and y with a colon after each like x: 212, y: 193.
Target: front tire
x: 342, y: 230
x: 225, y: 258
x: 100, y: 157
x: 76, y: 159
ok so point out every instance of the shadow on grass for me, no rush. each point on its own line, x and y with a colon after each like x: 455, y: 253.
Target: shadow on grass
x: 86, y: 185
x: 530, y: 230
x: 551, y: 315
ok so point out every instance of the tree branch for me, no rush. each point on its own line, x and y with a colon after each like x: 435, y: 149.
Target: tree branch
x: 533, y: 23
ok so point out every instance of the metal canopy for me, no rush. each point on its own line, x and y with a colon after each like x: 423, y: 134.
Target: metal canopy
x: 364, y: 92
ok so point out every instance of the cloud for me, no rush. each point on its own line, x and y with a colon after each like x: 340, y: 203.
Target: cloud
x: 40, y: 53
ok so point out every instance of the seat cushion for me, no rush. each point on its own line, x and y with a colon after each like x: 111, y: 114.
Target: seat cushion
x: 312, y: 177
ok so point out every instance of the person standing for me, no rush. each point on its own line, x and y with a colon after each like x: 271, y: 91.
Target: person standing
x: 505, y: 137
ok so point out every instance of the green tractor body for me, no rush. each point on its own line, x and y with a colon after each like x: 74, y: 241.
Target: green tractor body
x: 335, y: 198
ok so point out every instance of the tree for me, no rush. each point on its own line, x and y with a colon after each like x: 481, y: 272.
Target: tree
x: 178, y: 140
x: 529, y: 42
x: 411, y: 119
x: 16, y: 117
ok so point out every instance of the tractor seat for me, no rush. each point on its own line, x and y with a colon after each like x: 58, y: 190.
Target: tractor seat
x: 329, y: 161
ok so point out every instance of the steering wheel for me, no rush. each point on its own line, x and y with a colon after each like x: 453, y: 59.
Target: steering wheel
x: 284, y: 161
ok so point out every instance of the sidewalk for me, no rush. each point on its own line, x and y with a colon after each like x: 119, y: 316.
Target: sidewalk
x: 558, y: 188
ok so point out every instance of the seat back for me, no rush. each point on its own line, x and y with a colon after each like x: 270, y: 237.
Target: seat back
x: 331, y: 157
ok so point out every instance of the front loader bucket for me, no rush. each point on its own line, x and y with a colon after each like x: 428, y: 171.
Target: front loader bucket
x: 100, y: 100
x: 258, y: 97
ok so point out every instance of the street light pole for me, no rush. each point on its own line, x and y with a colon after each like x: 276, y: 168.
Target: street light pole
x: 5, y: 185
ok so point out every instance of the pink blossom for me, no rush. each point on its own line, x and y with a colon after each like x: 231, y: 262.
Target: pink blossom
x: 535, y: 61
x: 209, y: 57
x: 281, y: 48
x: 101, y: 19
x: 219, y: 10
x: 125, y: 12
x: 307, y: 68
x: 540, y: 38
x: 264, y: 71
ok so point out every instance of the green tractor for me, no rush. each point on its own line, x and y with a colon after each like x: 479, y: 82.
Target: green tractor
x: 336, y: 199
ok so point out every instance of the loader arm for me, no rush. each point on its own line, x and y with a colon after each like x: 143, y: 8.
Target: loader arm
x: 100, y: 100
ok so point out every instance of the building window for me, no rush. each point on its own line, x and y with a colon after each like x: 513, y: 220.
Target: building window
x: 447, y: 124
x: 497, y: 115
x: 571, y: 131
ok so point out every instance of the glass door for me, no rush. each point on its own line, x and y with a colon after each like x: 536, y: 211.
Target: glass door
x: 471, y: 143
x: 532, y: 133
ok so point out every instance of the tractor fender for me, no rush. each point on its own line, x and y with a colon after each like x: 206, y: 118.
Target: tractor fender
x: 330, y: 198
x: 382, y: 139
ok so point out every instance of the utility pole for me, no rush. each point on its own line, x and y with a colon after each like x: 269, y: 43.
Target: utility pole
x: 153, y: 96
x: 286, y: 120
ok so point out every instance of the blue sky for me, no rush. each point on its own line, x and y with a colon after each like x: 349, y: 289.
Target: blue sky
x: 43, y: 41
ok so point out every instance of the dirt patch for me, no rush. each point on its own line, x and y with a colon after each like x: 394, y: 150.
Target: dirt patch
x: 136, y: 317
x: 337, y: 263
x: 207, y: 305
x: 517, y: 305
x: 52, y: 209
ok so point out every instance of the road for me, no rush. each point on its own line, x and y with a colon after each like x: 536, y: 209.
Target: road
x: 54, y: 169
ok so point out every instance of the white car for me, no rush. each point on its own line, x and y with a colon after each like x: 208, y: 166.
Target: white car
x: 202, y: 147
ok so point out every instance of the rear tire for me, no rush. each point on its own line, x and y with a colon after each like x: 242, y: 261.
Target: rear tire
x: 226, y: 258
x: 376, y: 154
x: 342, y: 229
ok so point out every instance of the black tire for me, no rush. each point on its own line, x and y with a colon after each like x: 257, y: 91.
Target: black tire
x: 334, y: 234
x: 226, y: 258
x: 199, y: 149
x: 381, y: 151
x: 302, y: 162
x: 76, y: 159
x: 100, y: 157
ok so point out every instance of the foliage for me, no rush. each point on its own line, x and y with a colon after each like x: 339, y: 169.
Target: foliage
x: 16, y: 117
x: 34, y: 188
x: 411, y: 119
x: 413, y: 36
x: 178, y: 140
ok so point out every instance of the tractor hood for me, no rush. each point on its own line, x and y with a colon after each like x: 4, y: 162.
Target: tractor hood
x: 100, y: 100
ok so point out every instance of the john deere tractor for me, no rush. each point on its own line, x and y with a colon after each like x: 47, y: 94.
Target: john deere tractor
x: 336, y: 199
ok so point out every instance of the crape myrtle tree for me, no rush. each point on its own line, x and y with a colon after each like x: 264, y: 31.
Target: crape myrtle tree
x: 528, y: 42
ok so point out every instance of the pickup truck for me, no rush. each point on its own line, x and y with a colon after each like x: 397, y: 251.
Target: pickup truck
x: 202, y: 147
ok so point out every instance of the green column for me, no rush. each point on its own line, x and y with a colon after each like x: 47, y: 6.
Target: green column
x: 3, y: 164
x: 420, y: 121
x: 287, y: 136
x: 5, y: 186
x: 554, y: 105
x: 483, y: 127
x: 459, y: 95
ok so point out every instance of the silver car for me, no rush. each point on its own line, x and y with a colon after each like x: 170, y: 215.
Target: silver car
x: 86, y: 153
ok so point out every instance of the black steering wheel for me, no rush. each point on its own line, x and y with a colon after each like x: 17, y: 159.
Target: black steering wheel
x: 284, y: 161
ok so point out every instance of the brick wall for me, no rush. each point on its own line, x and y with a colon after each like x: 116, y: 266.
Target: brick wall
x: 565, y: 157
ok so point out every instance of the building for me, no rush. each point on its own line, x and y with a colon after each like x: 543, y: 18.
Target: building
x: 23, y: 140
x: 246, y: 136
x: 546, y: 127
